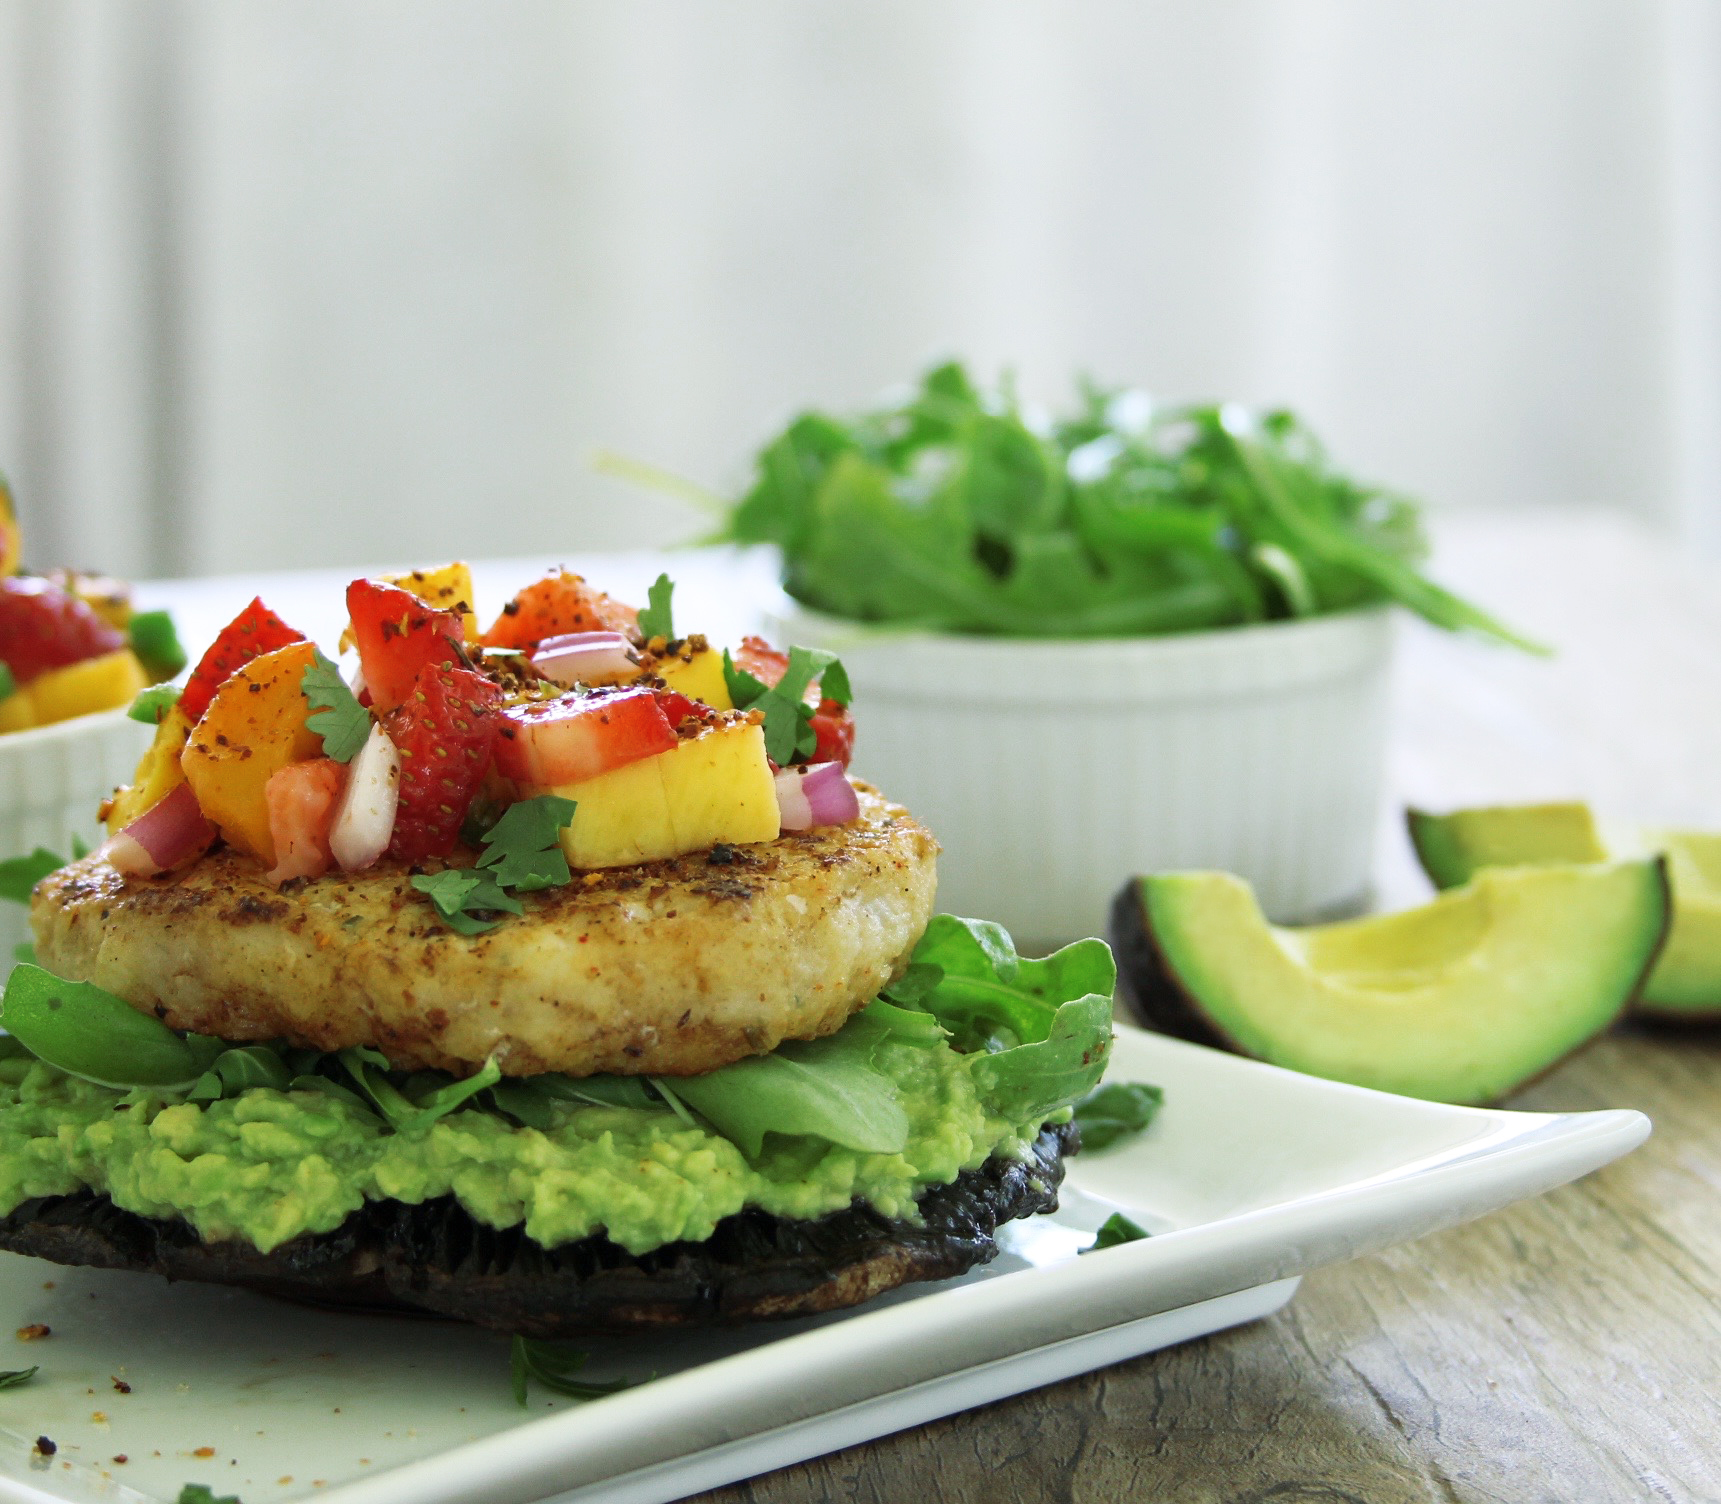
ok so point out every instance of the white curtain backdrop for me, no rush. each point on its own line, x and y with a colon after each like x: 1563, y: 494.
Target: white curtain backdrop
x: 320, y: 281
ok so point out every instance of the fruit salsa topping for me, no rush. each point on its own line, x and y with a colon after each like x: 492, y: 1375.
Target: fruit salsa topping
x: 70, y: 643
x: 575, y: 725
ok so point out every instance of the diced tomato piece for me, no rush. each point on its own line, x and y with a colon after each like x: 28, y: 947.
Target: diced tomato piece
x: 445, y: 731
x: 579, y: 736
x: 253, y: 632
x: 555, y: 605
x: 302, y: 797
x: 397, y: 635
x: 43, y: 627
x: 835, y: 729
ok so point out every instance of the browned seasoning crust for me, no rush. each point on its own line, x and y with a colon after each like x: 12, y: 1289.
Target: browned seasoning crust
x: 668, y: 968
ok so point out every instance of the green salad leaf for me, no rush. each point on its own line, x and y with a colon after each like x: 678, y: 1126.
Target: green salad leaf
x: 8, y: 684
x: 521, y: 849
x: 657, y: 619
x: 152, y: 705
x: 12, y: 1378
x: 1038, y: 1032
x: 789, y: 734
x: 20, y: 874
x: 92, y: 1034
x: 1116, y: 1229
x: 463, y: 894
x: 156, y: 643
x: 202, y: 1493
x: 340, y: 720
x: 555, y: 1366
x: 951, y: 509
x: 824, y: 1088
x: 1117, y: 1110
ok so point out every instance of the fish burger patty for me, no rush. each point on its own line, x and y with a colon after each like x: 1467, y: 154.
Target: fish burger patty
x: 669, y: 968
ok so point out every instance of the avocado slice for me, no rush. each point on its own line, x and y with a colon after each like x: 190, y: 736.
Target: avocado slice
x: 1460, y: 1000
x: 1452, y: 847
x: 1686, y: 982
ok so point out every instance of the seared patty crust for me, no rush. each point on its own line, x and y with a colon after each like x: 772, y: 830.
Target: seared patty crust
x: 668, y: 968
x: 434, y: 1259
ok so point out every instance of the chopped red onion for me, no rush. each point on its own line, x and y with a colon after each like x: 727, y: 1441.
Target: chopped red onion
x: 816, y: 795
x: 586, y: 658
x: 364, y: 818
x: 169, y: 832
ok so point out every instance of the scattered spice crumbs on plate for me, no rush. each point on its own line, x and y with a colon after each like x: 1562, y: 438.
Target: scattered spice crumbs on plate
x: 122, y: 1386
x: 45, y: 1447
x: 204, y: 1452
x: 121, y: 1457
x: 34, y: 1332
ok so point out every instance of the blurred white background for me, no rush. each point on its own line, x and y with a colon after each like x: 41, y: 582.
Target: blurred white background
x: 325, y: 281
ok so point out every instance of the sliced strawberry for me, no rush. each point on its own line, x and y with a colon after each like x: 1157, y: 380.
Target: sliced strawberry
x: 42, y: 627
x: 302, y: 797
x: 253, y: 632
x: 397, y: 635
x: 557, y: 742
x: 676, y: 707
x: 758, y: 658
x: 445, y: 731
x: 555, y: 605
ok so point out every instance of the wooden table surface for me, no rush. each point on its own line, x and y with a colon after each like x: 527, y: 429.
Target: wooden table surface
x: 1565, y: 1350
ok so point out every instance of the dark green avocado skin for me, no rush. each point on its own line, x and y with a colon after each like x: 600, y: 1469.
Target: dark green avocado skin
x: 1149, y: 991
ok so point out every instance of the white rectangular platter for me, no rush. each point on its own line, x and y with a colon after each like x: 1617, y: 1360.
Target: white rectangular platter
x: 1250, y: 1177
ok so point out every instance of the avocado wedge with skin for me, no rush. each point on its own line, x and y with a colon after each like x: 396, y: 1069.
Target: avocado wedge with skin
x: 1460, y: 1000
x: 1686, y: 982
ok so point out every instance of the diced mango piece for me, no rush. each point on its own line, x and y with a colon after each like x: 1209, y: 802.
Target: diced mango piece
x: 158, y: 772
x: 622, y: 817
x: 253, y: 728
x: 15, y: 712
x: 698, y: 674
x: 101, y: 683
x: 11, y: 541
x: 715, y: 787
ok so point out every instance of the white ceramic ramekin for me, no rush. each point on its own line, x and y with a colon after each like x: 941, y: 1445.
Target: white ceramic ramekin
x: 1051, y: 771
x: 52, y: 779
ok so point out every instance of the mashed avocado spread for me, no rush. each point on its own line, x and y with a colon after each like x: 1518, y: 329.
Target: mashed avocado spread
x: 269, y: 1165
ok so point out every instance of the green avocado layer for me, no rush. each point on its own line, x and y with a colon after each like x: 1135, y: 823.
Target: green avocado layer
x: 268, y: 1165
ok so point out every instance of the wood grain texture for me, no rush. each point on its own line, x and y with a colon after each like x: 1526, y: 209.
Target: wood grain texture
x: 1564, y: 1351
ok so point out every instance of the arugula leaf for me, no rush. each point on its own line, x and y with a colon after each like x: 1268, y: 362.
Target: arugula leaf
x: 946, y: 509
x: 1038, y: 1032
x: 8, y: 685
x: 156, y: 643
x: 461, y: 893
x: 239, y: 1069
x: 657, y: 620
x: 24, y: 951
x: 92, y: 1034
x: 13, y: 1377
x: 1116, y: 1229
x: 21, y: 873
x: 369, y: 1068
x: 152, y: 705
x: 1116, y: 1110
x: 340, y: 720
x: 554, y: 1365
x: 824, y: 1088
x: 522, y: 848
x: 201, y: 1493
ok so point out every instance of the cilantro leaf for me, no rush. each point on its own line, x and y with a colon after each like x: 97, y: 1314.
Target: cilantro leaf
x: 789, y: 730
x: 12, y: 1378
x: 21, y: 873
x: 1116, y: 1110
x: 657, y: 620
x: 152, y: 705
x: 461, y: 892
x: 8, y: 685
x: 340, y: 720
x: 521, y: 849
x: 1115, y: 1230
x: 554, y: 1365
x: 156, y: 643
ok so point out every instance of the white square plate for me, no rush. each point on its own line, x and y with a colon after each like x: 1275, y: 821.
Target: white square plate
x: 1250, y: 1177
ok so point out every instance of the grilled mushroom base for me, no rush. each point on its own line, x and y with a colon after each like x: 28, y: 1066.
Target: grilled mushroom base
x: 434, y: 1259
